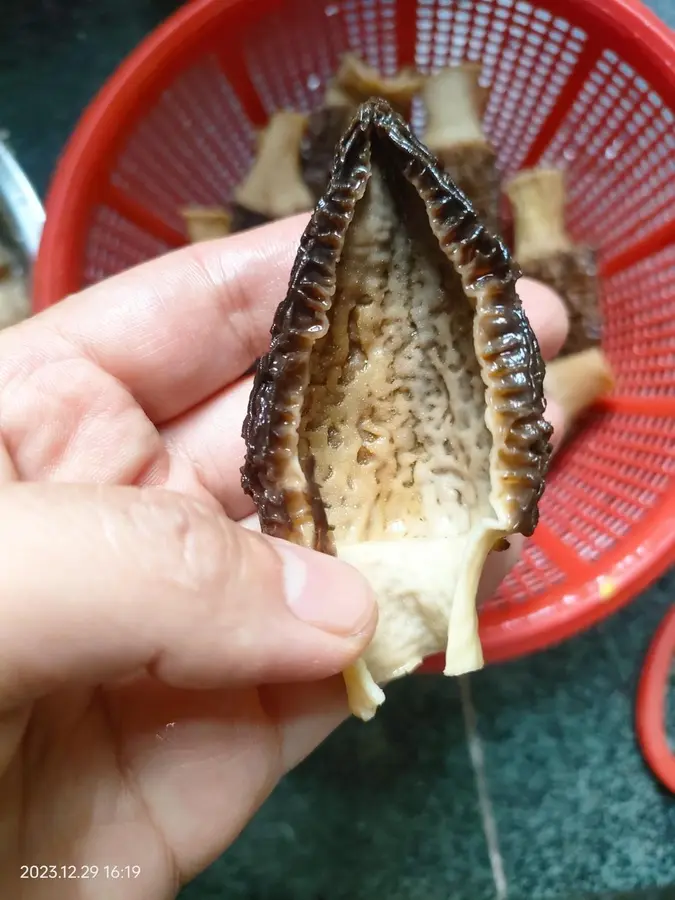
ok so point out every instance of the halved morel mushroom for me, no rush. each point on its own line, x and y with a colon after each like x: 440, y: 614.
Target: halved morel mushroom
x: 397, y: 420
x: 274, y: 187
x: 455, y: 104
x: 545, y: 251
x: 354, y: 82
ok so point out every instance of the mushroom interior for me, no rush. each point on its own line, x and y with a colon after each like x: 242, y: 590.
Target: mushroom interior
x: 394, y: 418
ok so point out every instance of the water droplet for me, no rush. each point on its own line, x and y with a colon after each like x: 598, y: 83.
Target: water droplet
x: 613, y: 150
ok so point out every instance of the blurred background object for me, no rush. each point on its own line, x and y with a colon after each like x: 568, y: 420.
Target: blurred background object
x: 21, y: 222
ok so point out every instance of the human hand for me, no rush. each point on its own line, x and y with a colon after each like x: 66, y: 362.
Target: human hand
x: 161, y: 666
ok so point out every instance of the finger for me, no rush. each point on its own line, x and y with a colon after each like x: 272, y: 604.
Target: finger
x: 240, y: 742
x: 211, y: 434
x: 144, y: 579
x: 173, y: 330
x: 308, y: 713
x: 546, y: 314
x: 8, y: 471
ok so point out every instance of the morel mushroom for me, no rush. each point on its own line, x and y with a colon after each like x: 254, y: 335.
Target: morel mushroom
x: 577, y: 381
x: 354, y: 83
x: 274, y: 187
x: 205, y: 223
x: 397, y: 420
x: 455, y: 104
x: 325, y: 127
x: 545, y: 251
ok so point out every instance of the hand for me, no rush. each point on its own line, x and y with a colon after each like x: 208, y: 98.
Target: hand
x: 161, y: 667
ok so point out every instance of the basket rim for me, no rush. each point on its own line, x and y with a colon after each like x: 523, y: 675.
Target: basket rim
x: 88, y: 157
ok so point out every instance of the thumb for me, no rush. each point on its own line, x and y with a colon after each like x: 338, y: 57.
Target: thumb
x: 100, y: 583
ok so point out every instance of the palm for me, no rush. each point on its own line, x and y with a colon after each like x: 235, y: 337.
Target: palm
x: 159, y: 769
x: 155, y: 771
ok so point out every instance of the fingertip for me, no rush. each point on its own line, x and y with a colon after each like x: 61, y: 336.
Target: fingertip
x: 325, y: 592
x: 547, y: 315
x: 305, y: 714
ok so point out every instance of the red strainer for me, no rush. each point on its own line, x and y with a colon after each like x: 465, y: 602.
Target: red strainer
x: 587, y: 84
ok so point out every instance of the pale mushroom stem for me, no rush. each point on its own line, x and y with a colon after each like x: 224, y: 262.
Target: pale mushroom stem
x: 455, y: 103
x: 356, y: 81
x: 538, y: 200
x: 205, y: 223
x: 577, y: 381
x: 274, y: 187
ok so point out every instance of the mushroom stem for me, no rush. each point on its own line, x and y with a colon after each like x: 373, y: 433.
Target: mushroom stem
x: 545, y: 252
x: 205, y: 223
x: 577, y: 381
x: 538, y: 200
x: 455, y: 104
x: 356, y: 81
x: 274, y: 187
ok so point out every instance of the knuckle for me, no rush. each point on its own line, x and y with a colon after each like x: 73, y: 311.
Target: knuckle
x: 194, y: 548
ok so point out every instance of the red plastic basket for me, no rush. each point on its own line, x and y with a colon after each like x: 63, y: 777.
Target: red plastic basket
x: 588, y: 84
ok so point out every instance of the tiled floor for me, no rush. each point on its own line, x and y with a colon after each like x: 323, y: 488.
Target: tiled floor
x: 575, y: 808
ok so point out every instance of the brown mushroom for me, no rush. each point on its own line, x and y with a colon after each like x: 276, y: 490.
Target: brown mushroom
x: 455, y: 104
x: 325, y: 127
x: 274, y: 187
x: 354, y: 83
x: 545, y: 251
x: 397, y: 420
x: 205, y: 223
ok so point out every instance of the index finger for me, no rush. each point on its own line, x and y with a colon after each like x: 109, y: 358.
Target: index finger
x: 176, y: 329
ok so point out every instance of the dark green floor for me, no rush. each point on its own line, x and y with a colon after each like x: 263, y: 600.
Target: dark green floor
x: 391, y: 810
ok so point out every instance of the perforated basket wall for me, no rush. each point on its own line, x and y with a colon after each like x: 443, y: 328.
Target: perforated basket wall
x: 589, y: 85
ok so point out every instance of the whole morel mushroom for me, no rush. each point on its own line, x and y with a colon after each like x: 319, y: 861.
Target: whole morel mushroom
x: 455, y: 104
x: 274, y: 187
x: 397, y: 420
x: 546, y: 252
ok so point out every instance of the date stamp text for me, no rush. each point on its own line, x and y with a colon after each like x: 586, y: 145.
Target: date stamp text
x: 81, y: 873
